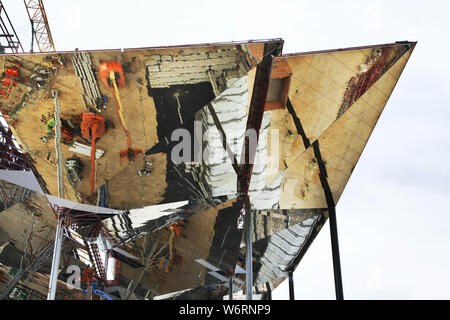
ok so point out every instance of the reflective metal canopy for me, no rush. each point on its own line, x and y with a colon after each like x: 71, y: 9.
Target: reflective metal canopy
x: 155, y: 141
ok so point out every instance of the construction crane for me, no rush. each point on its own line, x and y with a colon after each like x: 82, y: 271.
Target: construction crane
x: 92, y: 127
x: 111, y: 72
x: 39, y: 25
x: 9, y: 41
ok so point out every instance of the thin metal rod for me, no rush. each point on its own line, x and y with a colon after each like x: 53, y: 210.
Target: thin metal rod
x: 269, y: 291
x: 134, y: 284
x: 56, y: 257
x: 249, y: 254
x: 335, y: 252
x: 230, y: 292
x: 333, y: 225
x: 291, y: 285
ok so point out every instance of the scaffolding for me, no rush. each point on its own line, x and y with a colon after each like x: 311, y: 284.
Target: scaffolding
x: 11, y: 157
x: 9, y: 41
x: 10, y: 194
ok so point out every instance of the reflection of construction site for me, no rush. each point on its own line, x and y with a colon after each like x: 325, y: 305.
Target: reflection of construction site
x: 86, y: 143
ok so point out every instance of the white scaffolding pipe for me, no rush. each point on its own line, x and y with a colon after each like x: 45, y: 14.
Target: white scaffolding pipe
x: 59, y: 229
x: 56, y: 256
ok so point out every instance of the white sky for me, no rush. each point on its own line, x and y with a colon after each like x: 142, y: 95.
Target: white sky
x: 393, y: 216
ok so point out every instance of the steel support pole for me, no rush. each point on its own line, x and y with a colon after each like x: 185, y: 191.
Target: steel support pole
x: 244, y: 173
x: 248, y: 255
x: 230, y: 292
x: 333, y: 225
x: 269, y: 291
x: 291, y: 285
x: 56, y: 257
x: 335, y: 252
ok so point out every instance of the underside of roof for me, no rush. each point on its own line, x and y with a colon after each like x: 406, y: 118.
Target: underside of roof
x: 163, y: 152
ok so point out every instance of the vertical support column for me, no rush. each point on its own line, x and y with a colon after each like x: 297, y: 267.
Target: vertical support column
x: 291, y: 285
x: 249, y: 253
x: 230, y: 283
x: 56, y: 257
x: 335, y: 252
x: 255, y: 116
x: 333, y: 225
x: 269, y: 291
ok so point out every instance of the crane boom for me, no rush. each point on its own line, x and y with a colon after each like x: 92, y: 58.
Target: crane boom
x: 38, y: 19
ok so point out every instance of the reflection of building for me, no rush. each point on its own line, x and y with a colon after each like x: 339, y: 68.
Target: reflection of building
x: 280, y: 239
x: 150, y: 220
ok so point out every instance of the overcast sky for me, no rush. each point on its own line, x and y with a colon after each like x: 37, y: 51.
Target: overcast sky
x: 393, y: 217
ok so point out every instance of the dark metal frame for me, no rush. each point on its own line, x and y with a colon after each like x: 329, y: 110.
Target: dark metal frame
x: 333, y: 224
x: 329, y: 199
x: 8, y: 33
x: 255, y: 115
x: 291, y: 285
x: 11, y: 158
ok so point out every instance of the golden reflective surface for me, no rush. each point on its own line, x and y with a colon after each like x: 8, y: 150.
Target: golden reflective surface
x: 180, y: 222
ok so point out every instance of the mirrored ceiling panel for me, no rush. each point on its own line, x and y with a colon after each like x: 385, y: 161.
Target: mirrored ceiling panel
x: 118, y: 108
x: 328, y: 104
x: 144, y: 151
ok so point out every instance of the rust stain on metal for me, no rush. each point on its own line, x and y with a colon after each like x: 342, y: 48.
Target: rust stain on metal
x: 375, y: 66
